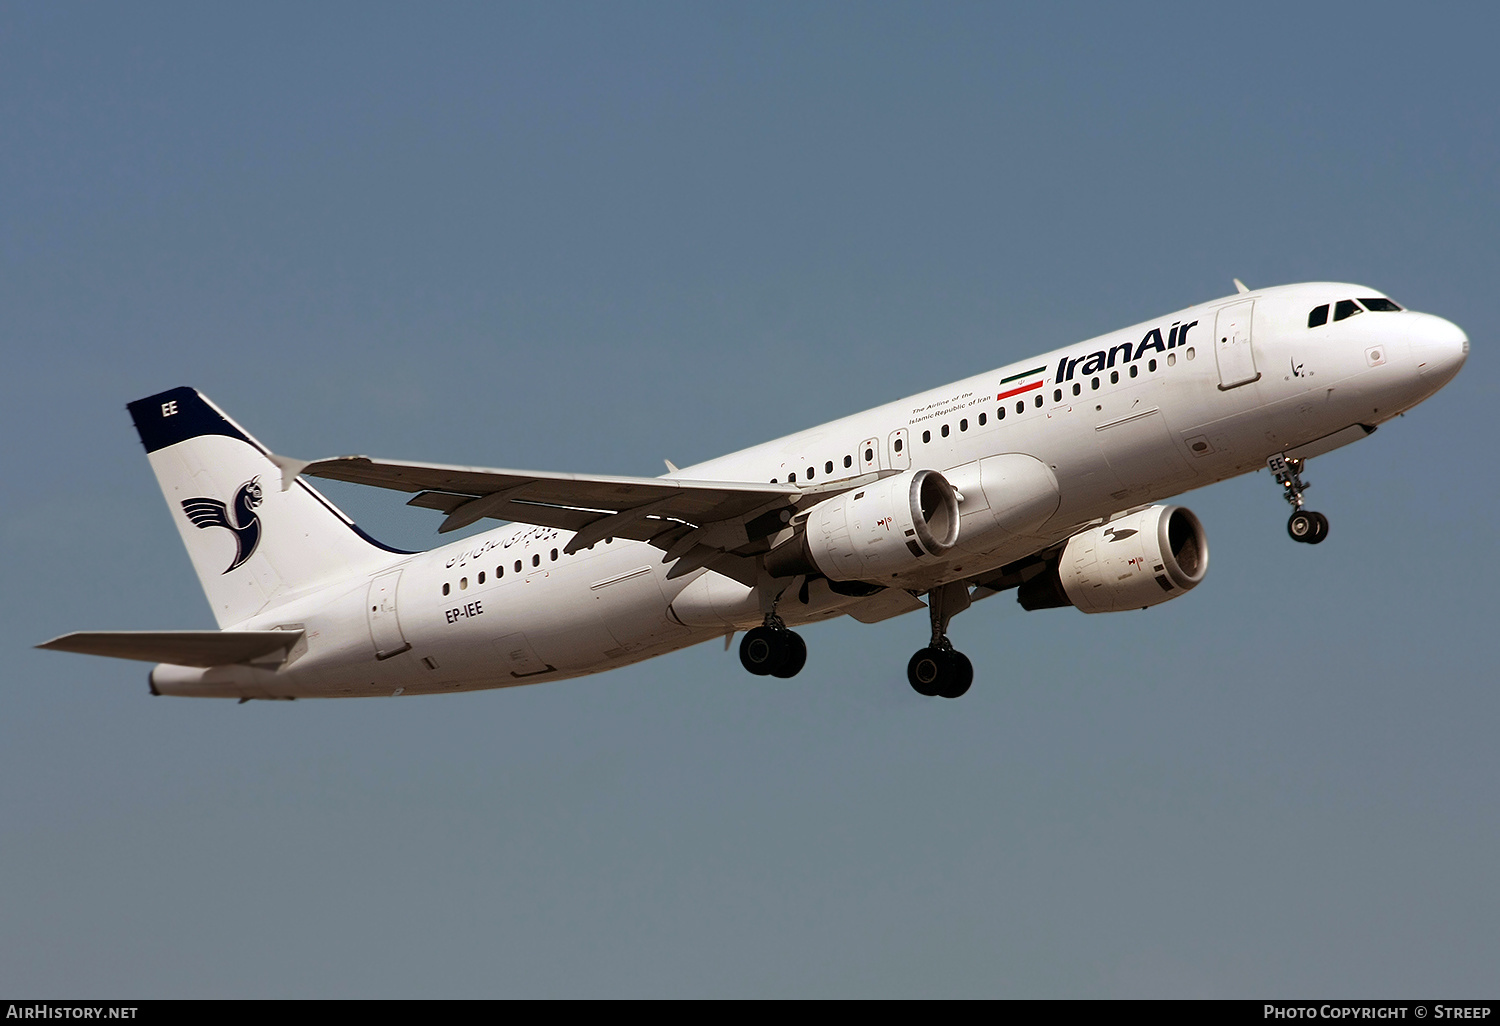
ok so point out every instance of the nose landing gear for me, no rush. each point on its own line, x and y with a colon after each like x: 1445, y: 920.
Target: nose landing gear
x: 1304, y: 525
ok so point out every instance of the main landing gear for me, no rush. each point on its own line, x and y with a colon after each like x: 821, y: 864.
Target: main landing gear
x: 773, y: 650
x: 940, y: 669
x: 1304, y: 525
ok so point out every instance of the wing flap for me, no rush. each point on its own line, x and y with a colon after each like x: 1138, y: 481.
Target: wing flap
x: 181, y: 648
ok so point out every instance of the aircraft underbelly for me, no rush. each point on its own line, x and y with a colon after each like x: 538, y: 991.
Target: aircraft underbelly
x: 633, y: 609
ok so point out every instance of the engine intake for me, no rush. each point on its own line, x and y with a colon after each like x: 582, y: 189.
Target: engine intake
x: 1139, y: 560
x: 886, y: 528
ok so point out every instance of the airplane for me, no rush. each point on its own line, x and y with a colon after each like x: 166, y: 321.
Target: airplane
x: 1045, y: 476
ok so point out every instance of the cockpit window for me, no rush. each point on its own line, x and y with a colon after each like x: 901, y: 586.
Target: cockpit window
x: 1318, y: 317
x: 1346, y: 308
x: 1378, y: 304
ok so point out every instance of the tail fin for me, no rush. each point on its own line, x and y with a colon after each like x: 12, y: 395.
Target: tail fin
x: 253, y: 544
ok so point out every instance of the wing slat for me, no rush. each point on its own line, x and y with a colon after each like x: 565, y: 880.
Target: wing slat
x: 570, y: 502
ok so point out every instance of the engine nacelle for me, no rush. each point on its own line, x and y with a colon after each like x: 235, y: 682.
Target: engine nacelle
x: 1139, y: 560
x: 890, y: 527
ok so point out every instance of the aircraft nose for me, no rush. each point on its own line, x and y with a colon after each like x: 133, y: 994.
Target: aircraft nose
x: 1440, y: 348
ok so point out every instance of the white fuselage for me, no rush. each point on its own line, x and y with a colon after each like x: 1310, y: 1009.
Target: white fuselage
x: 1122, y: 420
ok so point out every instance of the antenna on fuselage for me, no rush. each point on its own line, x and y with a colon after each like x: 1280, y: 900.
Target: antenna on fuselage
x: 1241, y: 286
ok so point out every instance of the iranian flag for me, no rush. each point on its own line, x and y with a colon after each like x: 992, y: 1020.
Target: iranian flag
x: 1026, y: 381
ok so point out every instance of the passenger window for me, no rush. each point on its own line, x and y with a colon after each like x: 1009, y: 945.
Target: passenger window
x: 809, y: 473
x: 1000, y: 413
x: 1346, y: 308
x: 869, y: 455
x: 1094, y: 384
x: 1021, y: 406
x: 963, y: 425
x: 1378, y: 304
x: 518, y: 566
x: 791, y: 478
x: 499, y: 572
x: 1039, y: 400
x: 481, y: 577
x: 447, y: 588
x: 1114, y: 377
x: 536, y: 560
x: 463, y: 584
x: 1191, y: 352
x: 1134, y: 370
x: 828, y: 467
x: 1057, y: 395
x: 926, y: 437
x: 554, y: 555
x: 1077, y: 388
x: 1171, y: 359
x: 848, y: 462
x: 1151, y: 366
x: 1318, y: 317
x: 945, y: 430
x: 899, y: 444
x: 981, y: 420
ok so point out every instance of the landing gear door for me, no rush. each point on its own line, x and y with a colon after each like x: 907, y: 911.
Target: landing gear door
x: 869, y: 455
x: 900, y: 451
x: 385, y: 629
x: 1232, y: 346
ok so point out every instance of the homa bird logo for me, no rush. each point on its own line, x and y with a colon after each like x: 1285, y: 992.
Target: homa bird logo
x: 207, y: 512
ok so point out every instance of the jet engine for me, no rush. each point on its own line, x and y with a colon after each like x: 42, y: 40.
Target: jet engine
x: 890, y: 527
x: 1142, y: 559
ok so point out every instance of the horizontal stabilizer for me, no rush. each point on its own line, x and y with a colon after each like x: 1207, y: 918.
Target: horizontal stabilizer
x: 181, y: 648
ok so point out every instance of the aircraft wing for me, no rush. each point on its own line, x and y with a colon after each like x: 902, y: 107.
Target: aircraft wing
x: 181, y: 648
x: 694, y: 522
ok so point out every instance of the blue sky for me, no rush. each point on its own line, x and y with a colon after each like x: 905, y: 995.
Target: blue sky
x: 590, y: 237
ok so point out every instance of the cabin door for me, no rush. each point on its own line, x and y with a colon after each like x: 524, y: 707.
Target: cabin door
x: 385, y: 629
x: 1232, y: 346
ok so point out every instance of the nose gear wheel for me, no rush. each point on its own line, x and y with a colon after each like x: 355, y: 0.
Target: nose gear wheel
x: 1307, y: 526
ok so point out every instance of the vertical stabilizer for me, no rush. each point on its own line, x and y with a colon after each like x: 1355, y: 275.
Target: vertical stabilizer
x: 253, y: 545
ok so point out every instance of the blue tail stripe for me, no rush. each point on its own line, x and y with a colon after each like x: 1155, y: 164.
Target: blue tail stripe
x: 175, y: 416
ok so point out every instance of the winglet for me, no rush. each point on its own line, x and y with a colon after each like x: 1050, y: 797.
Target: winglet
x: 1240, y: 286
x: 670, y: 466
x: 290, y: 468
